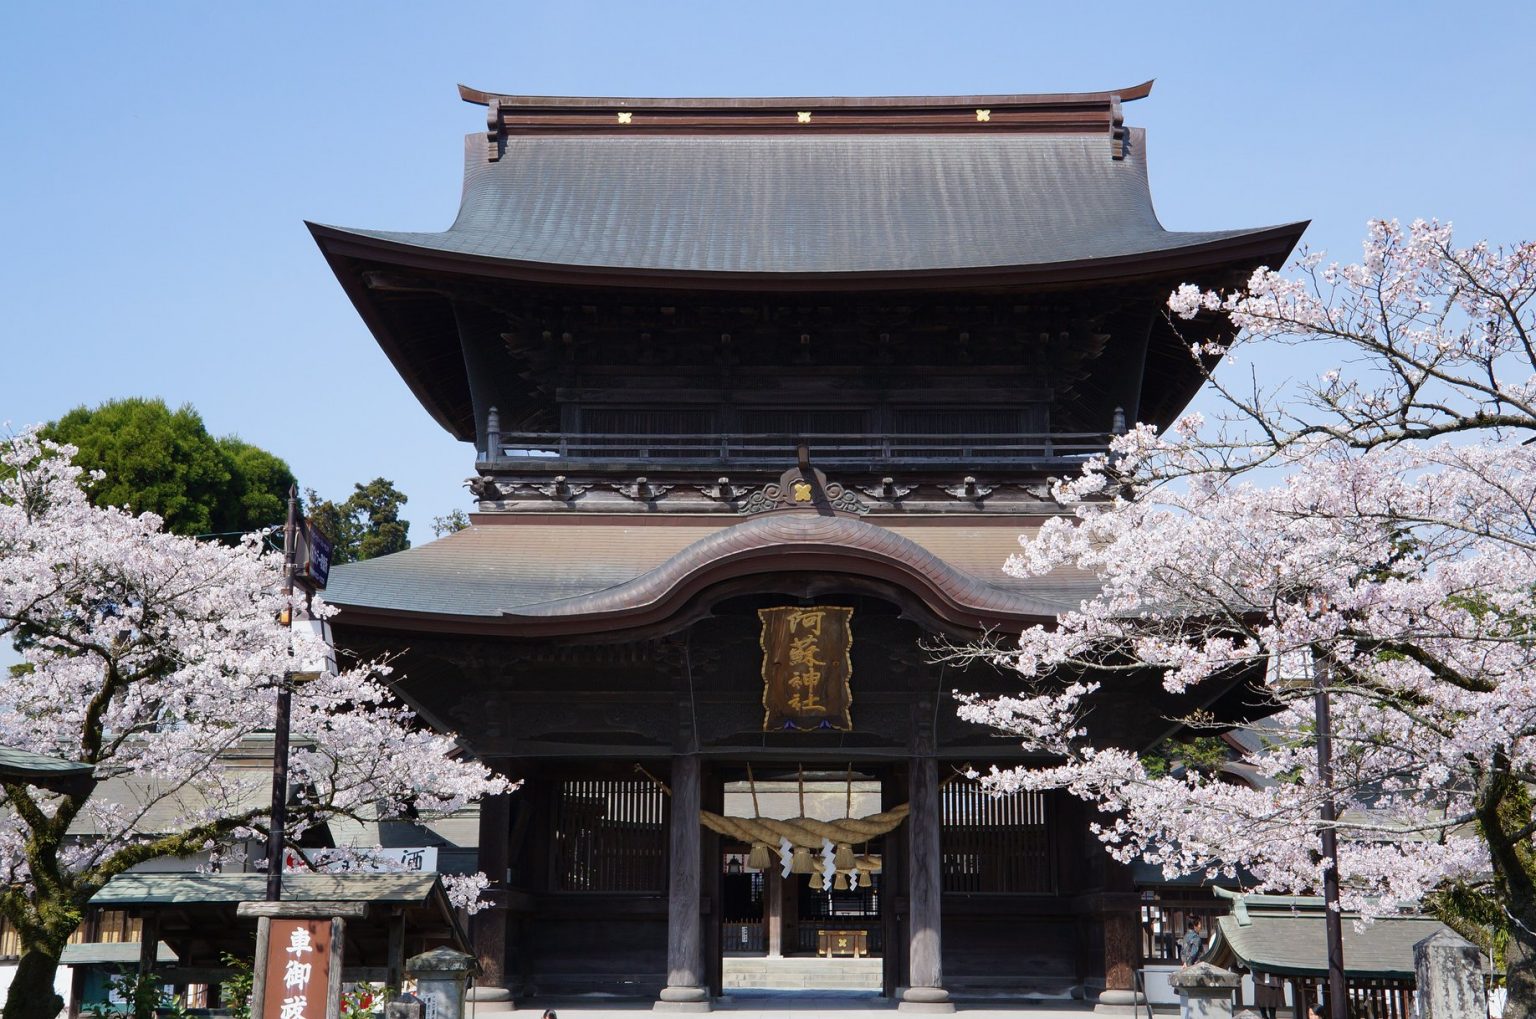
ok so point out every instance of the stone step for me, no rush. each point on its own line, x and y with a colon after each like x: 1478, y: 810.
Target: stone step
x: 797, y: 974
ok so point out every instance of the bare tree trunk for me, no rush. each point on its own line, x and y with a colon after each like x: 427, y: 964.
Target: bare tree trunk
x: 32, y: 995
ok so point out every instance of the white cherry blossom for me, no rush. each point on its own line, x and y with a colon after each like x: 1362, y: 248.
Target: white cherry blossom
x: 1372, y: 530
x: 153, y: 658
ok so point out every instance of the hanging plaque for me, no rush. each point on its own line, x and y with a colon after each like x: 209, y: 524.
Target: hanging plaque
x: 806, y: 667
x: 300, y: 976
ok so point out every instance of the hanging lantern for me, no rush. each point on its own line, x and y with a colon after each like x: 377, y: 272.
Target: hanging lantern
x: 844, y: 858
x: 759, y: 859
x: 802, y: 862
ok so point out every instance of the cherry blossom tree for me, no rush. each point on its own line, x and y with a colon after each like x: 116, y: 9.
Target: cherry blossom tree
x: 1370, y: 533
x: 152, y: 656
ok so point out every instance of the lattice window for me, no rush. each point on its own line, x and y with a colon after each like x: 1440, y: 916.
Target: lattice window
x: 672, y: 433
x: 995, y: 843
x: 106, y: 926
x: 798, y: 421
x: 609, y: 836
x: 967, y: 420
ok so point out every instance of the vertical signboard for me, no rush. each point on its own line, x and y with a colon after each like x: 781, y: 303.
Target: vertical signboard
x: 806, y: 667
x: 301, y: 975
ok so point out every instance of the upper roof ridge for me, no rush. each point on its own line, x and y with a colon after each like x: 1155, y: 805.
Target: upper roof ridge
x: 1055, y: 113
x: 1125, y: 95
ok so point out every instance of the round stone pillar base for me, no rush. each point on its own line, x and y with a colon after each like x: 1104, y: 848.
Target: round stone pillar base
x: 1119, y: 1002
x: 925, y: 999
x: 682, y: 999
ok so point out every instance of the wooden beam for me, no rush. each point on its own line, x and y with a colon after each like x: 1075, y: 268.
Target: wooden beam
x: 345, y: 910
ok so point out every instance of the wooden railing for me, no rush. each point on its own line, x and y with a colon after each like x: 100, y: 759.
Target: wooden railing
x: 1369, y: 998
x: 742, y: 936
x: 773, y: 450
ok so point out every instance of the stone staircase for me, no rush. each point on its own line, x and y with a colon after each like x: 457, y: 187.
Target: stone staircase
x: 800, y: 973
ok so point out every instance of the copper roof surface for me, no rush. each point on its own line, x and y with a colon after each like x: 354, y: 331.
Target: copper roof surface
x: 531, y: 569
x: 822, y: 204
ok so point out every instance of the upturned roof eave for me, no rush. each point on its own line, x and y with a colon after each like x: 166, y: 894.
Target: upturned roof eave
x: 1239, y: 248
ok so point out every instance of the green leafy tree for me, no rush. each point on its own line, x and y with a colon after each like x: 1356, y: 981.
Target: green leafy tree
x: 163, y: 461
x: 258, y: 493
x: 235, y: 991
x: 455, y: 520
x: 366, y: 525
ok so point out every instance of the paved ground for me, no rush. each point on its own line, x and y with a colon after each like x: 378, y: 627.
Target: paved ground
x: 794, y: 1005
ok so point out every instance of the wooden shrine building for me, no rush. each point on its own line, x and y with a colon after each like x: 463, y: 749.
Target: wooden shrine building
x: 762, y: 393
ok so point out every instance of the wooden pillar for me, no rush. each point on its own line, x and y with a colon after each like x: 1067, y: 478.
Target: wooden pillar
x: 1120, y: 915
x: 925, y: 886
x: 773, y: 912
x: 395, y: 949
x: 712, y: 874
x: 893, y: 898
x: 685, y: 990
x: 1122, y: 955
x: 149, y: 941
x: 488, y: 928
x: 790, y: 901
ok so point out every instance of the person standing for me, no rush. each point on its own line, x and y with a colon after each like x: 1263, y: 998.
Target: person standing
x: 1268, y: 995
x: 1193, y: 942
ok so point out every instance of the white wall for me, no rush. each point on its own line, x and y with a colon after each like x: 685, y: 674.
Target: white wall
x: 61, y: 982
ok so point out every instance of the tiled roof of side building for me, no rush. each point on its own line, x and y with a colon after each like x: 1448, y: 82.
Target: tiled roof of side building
x: 1294, y: 944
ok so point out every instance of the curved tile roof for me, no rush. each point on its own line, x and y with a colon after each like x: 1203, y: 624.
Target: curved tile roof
x: 824, y: 203
x: 526, y: 575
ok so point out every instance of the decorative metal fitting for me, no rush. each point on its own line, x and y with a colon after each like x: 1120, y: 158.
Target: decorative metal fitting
x: 969, y: 489
x: 641, y: 490
x: 560, y: 488
x: 888, y: 490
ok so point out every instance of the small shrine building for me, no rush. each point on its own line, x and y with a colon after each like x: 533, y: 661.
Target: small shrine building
x: 761, y: 394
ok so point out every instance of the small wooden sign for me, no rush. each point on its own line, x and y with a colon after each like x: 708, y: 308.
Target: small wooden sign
x: 301, y: 973
x: 806, y: 667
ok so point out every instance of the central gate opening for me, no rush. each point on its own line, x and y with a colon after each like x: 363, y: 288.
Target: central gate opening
x: 819, y: 927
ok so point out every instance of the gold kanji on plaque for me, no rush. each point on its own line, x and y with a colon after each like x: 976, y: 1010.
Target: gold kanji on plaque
x: 806, y: 667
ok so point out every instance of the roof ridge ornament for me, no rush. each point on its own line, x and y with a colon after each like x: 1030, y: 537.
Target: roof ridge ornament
x: 1119, y: 136
x: 804, y: 488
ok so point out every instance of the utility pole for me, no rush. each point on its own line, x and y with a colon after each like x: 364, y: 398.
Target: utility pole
x: 1338, y: 992
x: 284, y: 709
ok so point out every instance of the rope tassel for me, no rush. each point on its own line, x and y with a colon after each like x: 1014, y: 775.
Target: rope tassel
x: 759, y: 860
x: 844, y: 858
x: 801, y: 864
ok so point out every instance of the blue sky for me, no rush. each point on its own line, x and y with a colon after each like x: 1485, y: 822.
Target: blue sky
x: 160, y: 159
